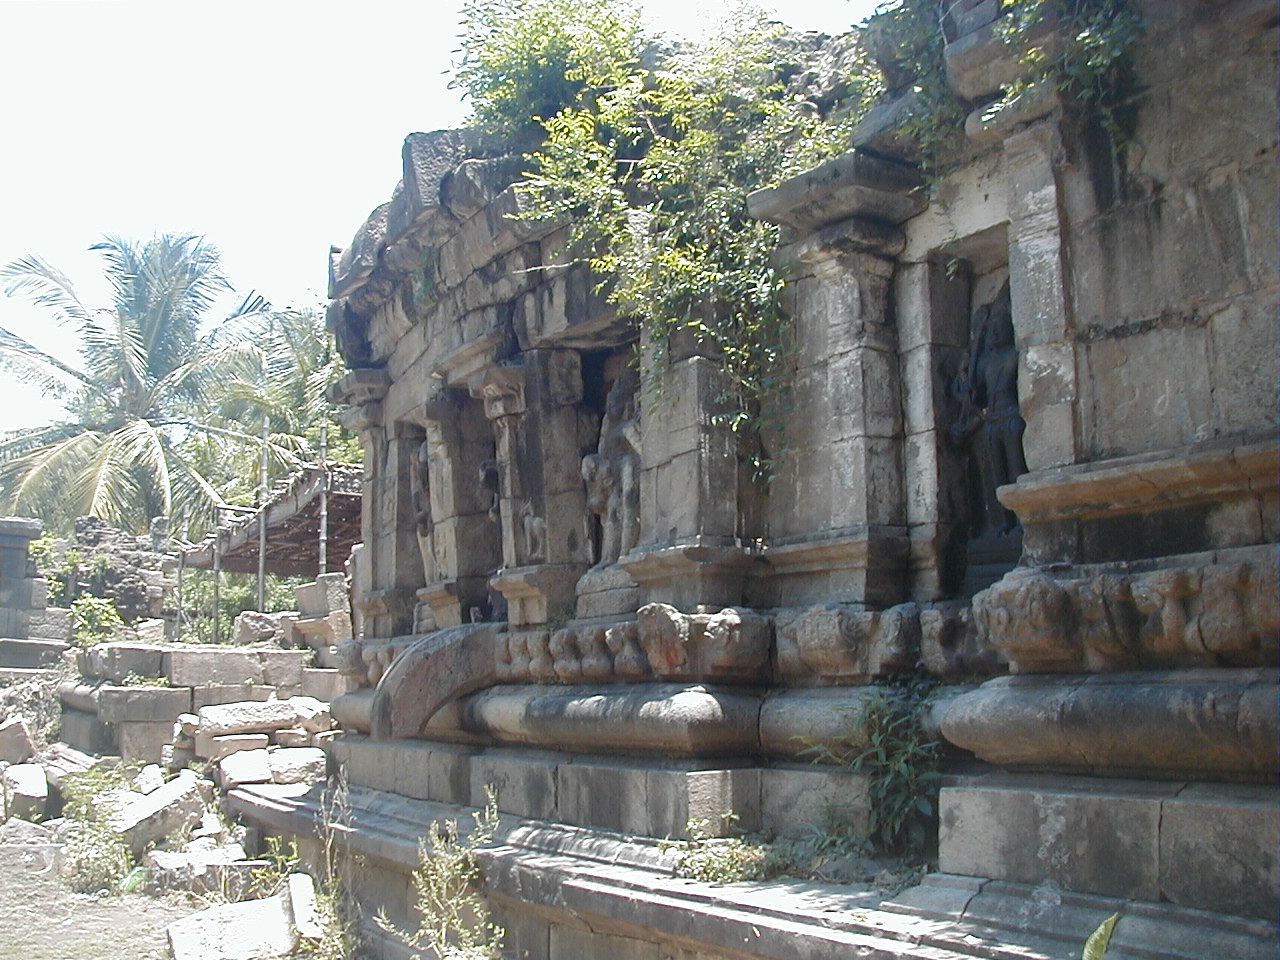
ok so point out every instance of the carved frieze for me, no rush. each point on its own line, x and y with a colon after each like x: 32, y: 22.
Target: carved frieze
x: 1215, y: 614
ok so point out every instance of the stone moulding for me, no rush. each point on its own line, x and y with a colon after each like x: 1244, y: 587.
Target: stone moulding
x: 430, y: 673
x: 1210, y: 614
x: 1210, y: 472
x: 1209, y: 724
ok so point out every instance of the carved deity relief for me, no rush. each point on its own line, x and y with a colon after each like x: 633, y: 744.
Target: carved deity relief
x: 612, y: 474
x: 424, y: 525
x: 534, y: 529
x: 986, y: 415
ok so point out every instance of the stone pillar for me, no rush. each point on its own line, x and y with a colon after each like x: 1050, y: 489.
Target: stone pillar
x: 21, y: 589
x: 545, y: 543
x: 384, y: 611
x: 837, y: 521
x: 689, y: 553
x: 1042, y: 314
x: 837, y: 525
x: 932, y: 310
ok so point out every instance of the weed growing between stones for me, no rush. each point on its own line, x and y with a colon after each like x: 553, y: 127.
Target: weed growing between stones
x: 888, y: 744
x: 714, y: 859
x: 94, y: 620
x: 456, y: 922
x: 96, y: 856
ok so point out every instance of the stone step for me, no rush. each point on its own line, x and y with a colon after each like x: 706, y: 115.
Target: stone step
x: 31, y: 653
x: 624, y: 888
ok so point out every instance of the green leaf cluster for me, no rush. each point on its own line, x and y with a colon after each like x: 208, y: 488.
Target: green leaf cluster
x: 651, y: 167
x: 888, y: 743
x: 94, y: 620
x: 523, y: 61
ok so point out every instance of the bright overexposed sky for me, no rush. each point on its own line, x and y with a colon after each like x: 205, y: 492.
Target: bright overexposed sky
x: 270, y: 127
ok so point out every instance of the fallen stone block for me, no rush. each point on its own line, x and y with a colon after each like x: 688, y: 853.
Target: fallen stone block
x: 216, y: 693
x: 26, y: 791
x: 215, y: 747
x: 149, y: 779
x: 142, y: 703
x: 297, y: 764
x: 146, y: 818
x: 313, y: 714
x: 245, y: 766
x: 186, y: 725
x: 15, y: 741
x: 296, y: 737
x: 251, y: 929
x: 61, y: 761
x: 221, y: 869
x: 247, y: 717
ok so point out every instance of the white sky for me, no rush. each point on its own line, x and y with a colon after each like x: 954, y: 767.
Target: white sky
x: 270, y: 127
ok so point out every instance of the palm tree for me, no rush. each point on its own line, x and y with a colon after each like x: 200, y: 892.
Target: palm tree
x: 148, y: 394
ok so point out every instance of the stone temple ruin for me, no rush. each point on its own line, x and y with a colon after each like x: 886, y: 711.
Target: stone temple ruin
x: 1029, y: 442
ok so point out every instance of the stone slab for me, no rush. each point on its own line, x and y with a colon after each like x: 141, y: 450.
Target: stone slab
x: 142, y: 703
x: 216, y: 746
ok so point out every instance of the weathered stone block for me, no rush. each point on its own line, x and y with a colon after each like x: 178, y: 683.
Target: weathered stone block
x: 115, y: 661
x: 142, y: 703
x: 26, y: 791
x: 215, y: 747
x: 244, y: 766
x: 15, y: 741
x: 795, y: 801
x: 204, y: 665
x: 219, y: 693
x: 86, y: 732
x: 297, y: 764
x: 143, y: 739
x: 247, y: 717
x: 1077, y: 834
x: 1218, y: 849
x: 524, y: 784
x: 146, y: 818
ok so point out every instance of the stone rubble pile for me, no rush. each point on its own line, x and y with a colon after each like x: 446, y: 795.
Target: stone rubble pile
x: 172, y: 817
x: 255, y: 741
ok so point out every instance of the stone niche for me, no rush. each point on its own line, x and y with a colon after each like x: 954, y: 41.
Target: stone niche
x: 1028, y: 444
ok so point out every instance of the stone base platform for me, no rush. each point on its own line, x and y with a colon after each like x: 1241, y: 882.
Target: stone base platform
x: 566, y: 893
x: 634, y: 796
x: 1197, y: 845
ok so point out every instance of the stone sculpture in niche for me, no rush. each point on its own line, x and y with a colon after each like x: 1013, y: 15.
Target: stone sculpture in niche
x: 987, y: 394
x: 535, y: 534
x: 423, y: 523
x: 490, y: 481
x: 612, y: 473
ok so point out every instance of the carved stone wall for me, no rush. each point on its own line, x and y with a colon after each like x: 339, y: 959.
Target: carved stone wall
x: 1029, y: 430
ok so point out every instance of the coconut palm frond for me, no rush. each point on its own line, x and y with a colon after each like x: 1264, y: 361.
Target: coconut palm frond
x: 30, y: 363
x: 41, y: 483
x: 46, y: 285
x: 19, y: 443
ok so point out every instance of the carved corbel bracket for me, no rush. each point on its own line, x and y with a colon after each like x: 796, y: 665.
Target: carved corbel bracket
x: 501, y: 388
